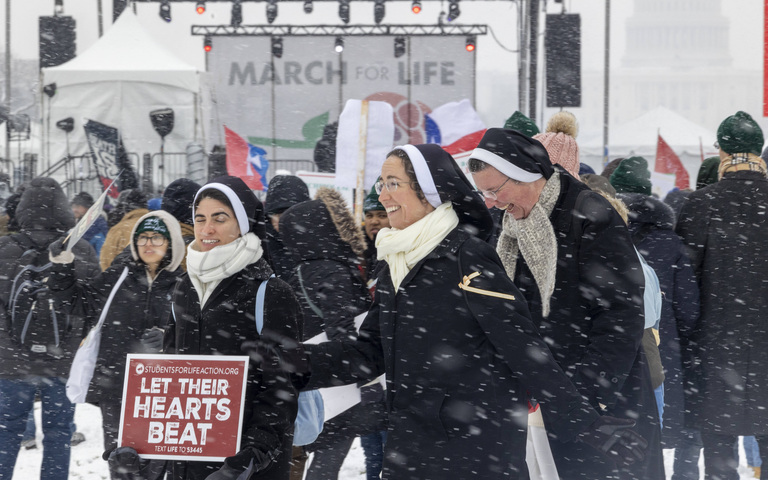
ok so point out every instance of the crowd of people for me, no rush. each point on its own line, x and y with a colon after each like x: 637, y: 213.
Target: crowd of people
x: 540, y: 321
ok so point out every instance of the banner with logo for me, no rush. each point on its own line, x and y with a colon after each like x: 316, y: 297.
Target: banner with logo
x: 183, y: 407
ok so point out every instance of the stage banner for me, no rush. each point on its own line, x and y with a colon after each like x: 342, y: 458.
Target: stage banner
x: 183, y: 407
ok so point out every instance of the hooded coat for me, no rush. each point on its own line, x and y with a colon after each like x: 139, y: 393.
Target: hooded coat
x: 326, y: 245
x: 43, y: 216
x: 460, y: 365
x: 140, y: 303
x: 724, y: 228
x: 284, y: 192
x: 651, y: 226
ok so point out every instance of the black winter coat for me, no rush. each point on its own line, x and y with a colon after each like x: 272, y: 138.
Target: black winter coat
x: 651, y: 225
x: 725, y: 228
x: 221, y: 327
x: 18, y: 362
x: 595, y: 327
x: 459, y: 367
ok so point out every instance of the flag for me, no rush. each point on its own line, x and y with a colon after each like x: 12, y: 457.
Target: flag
x: 249, y: 162
x: 667, y: 161
x: 455, y: 126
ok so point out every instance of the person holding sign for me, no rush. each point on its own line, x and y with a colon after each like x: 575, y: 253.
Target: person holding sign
x: 455, y: 338
x: 136, y: 315
x: 213, y: 314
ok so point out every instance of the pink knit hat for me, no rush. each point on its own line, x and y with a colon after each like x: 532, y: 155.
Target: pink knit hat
x: 560, y: 142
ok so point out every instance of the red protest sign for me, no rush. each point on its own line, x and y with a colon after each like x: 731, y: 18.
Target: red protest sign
x: 183, y: 406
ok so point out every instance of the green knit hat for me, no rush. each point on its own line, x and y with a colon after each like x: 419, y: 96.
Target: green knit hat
x: 371, y: 202
x: 739, y: 133
x: 632, y: 176
x: 153, y: 224
x: 522, y: 124
x: 707, y: 172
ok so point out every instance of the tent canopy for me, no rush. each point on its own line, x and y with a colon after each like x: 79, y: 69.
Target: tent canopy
x: 640, y: 135
x: 127, y: 52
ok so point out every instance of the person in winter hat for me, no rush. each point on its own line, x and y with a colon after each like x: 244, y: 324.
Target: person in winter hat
x: 284, y: 192
x: 518, y: 121
x: 708, y: 172
x: 724, y: 228
x: 97, y: 232
x: 560, y: 141
x: 558, y: 238
x: 132, y: 205
x: 177, y: 200
x: 136, y: 316
x: 43, y: 215
x: 327, y: 248
x: 376, y: 219
x: 443, y: 289
x: 610, y: 167
x: 213, y: 309
x: 632, y: 176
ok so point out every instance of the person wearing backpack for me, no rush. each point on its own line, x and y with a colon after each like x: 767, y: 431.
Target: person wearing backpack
x: 38, y: 358
x: 136, y: 315
x: 214, y: 313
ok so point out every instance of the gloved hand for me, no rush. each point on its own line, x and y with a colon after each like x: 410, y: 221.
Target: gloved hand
x: 247, y: 462
x: 278, y: 353
x: 123, y: 460
x: 57, y: 252
x: 152, y: 340
x: 614, y: 438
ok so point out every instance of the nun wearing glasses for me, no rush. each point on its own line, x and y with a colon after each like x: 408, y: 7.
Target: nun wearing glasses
x: 454, y: 337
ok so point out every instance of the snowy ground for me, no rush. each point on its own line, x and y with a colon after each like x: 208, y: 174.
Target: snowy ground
x: 87, y: 464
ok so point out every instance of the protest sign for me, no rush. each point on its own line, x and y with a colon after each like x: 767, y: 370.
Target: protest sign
x: 186, y: 407
x: 90, y: 216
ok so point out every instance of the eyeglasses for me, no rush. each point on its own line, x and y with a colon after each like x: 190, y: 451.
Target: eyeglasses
x: 391, y: 185
x: 716, y: 145
x: 155, y: 240
x: 492, y: 195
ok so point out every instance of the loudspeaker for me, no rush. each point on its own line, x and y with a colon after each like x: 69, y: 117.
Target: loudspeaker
x: 162, y: 121
x: 562, y: 44
x: 57, y: 40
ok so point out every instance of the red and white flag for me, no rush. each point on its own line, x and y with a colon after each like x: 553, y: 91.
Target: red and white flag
x: 667, y: 161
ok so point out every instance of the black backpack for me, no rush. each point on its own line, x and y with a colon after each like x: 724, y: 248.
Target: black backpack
x: 34, y: 322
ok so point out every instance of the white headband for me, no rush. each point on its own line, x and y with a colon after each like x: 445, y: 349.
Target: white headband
x: 423, y: 175
x: 237, y: 204
x: 507, y: 168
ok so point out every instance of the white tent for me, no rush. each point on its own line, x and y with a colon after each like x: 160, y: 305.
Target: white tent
x: 120, y: 79
x: 640, y: 137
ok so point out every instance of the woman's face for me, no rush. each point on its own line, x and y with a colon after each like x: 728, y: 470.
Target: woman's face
x: 215, y: 224
x: 375, y: 220
x: 150, y: 253
x: 403, y: 206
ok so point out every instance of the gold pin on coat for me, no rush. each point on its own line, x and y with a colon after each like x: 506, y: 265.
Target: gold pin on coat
x: 465, y: 286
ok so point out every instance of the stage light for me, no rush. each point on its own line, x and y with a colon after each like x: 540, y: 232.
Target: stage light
x: 453, y: 10
x: 470, y: 44
x: 399, y: 47
x: 339, y: 46
x: 200, y: 8
x: 378, y: 11
x: 308, y: 6
x: 344, y: 10
x: 277, y: 47
x: 271, y: 11
x: 58, y: 8
x: 416, y: 6
x: 237, y: 13
x: 207, y: 43
x: 165, y: 11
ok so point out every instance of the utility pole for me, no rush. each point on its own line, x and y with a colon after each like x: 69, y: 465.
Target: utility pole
x: 606, y: 79
x: 100, y: 11
x: 533, y: 57
x: 522, y: 84
x: 8, y: 81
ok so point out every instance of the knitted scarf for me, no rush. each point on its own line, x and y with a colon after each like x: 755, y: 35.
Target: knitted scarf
x: 534, y: 238
x: 207, y: 269
x: 741, y: 161
x: 402, y: 249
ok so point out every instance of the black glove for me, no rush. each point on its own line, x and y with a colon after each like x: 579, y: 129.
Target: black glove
x: 246, y: 463
x: 152, y: 340
x: 58, y: 252
x: 123, y: 460
x: 614, y: 438
x: 278, y: 353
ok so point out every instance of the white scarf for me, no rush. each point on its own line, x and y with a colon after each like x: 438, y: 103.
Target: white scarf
x: 533, y: 237
x: 402, y: 249
x: 207, y: 269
